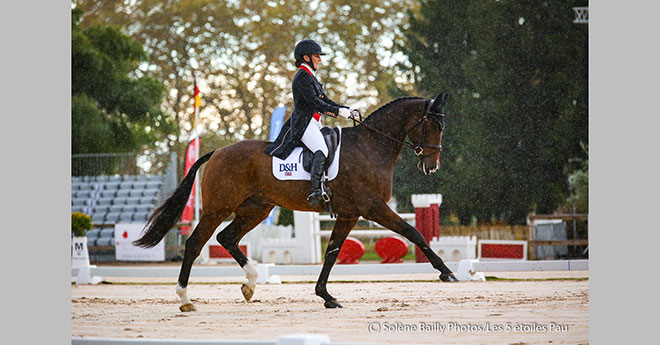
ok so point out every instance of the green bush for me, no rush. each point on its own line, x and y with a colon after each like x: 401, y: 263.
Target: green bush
x: 80, y: 222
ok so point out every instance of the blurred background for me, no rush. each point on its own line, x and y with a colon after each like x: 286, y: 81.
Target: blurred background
x: 516, y: 141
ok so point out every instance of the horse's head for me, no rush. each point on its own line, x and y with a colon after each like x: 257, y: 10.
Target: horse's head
x: 426, y: 134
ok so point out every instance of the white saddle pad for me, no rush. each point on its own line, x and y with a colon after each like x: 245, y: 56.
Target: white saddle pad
x: 291, y: 168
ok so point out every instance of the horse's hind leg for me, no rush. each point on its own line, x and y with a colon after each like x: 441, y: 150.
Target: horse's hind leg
x: 381, y: 213
x: 194, y: 244
x: 248, y: 215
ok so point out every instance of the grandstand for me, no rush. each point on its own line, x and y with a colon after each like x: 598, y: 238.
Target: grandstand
x: 113, y: 199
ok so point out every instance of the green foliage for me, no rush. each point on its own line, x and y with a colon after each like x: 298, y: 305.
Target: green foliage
x: 112, y: 109
x: 578, y: 182
x: 80, y: 223
x: 516, y: 73
x: 285, y: 217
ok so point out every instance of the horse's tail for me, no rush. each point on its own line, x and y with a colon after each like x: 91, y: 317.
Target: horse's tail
x: 164, y: 217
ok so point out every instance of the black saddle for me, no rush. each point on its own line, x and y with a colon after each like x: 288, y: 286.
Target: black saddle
x: 331, y: 137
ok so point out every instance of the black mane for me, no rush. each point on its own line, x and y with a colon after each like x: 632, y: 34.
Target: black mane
x: 384, y: 108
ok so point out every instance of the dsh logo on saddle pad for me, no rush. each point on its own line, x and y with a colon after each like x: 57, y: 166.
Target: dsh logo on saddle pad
x: 288, y: 169
x: 291, y: 168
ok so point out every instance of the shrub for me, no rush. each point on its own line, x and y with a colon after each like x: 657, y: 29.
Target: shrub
x: 80, y: 222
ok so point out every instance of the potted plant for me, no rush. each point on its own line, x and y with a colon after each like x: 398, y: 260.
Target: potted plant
x: 80, y: 223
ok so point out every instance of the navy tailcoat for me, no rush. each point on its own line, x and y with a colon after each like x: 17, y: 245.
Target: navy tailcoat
x: 309, y: 101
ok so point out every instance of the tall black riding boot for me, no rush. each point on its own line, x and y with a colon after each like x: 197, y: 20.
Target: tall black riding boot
x: 318, y: 165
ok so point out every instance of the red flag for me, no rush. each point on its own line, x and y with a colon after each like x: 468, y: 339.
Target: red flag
x: 189, y: 210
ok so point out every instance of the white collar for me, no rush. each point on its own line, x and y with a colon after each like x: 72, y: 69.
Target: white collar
x: 310, y: 69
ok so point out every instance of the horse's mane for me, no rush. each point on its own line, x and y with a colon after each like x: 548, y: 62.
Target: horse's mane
x: 384, y: 108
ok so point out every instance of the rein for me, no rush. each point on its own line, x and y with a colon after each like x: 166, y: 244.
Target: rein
x: 418, y: 149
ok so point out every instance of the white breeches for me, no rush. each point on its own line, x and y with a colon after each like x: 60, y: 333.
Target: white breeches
x: 313, y: 139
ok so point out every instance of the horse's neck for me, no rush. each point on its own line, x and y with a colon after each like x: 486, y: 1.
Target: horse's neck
x: 390, y: 126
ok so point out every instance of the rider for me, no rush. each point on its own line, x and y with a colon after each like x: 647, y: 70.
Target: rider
x: 304, y: 125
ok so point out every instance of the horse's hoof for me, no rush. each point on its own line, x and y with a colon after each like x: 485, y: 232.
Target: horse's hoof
x: 448, y: 278
x: 247, y: 291
x: 332, y: 304
x: 187, y: 307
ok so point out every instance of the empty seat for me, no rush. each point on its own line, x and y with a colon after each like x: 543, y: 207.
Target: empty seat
x: 123, y: 192
x: 88, y: 178
x: 142, y: 178
x: 120, y: 201
x: 154, y: 184
x: 107, y: 194
x: 150, y: 192
x: 131, y: 178
x: 83, y: 194
x: 105, y: 201
x: 114, y: 178
x: 143, y: 208
x: 116, y: 208
x: 133, y: 201
x: 102, y: 178
x: 148, y: 201
x: 140, y: 185
x: 75, y: 186
x: 111, y: 185
x: 125, y: 217
x: 100, y: 208
x: 76, y: 178
x: 107, y: 232
x: 135, y: 193
x: 155, y: 177
x: 111, y: 218
x: 91, y: 241
x: 87, y: 186
x: 78, y: 209
x: 93, y: 232
x: 78, y: 202
x: 97, y: 218
x: 140, y: 216
x: 129, y: 208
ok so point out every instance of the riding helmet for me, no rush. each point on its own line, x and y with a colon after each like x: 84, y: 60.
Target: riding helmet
x: 306, y: 47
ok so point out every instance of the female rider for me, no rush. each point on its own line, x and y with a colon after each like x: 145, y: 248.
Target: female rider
x: 304, y: 125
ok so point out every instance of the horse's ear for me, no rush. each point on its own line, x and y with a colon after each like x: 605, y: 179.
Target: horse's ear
x: 440, y: 100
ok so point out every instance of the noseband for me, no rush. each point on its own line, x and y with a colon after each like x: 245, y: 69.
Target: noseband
x: 439, y: 118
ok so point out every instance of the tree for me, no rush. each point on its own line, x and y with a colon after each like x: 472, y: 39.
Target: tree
x: 112, y: 110
x: 243, y: 54
x: 518, y: 108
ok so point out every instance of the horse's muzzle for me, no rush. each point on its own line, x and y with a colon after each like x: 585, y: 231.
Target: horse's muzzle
x: 426, y: 169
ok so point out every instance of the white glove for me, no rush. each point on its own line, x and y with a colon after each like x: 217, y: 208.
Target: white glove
x: 343, y: 112
x: 355, y: 113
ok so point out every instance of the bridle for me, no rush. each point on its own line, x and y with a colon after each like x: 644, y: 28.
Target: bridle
x: 439, y: 118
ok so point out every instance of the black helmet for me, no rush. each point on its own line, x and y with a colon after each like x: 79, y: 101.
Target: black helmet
x: 306, y: 47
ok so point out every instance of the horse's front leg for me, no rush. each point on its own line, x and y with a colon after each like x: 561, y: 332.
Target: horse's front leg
x: 382, y: 214
x: 341, y: 229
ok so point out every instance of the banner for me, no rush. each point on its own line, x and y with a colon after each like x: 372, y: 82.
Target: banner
x: 276, y: 122
x: 189, y: 210
x: 125, y: 234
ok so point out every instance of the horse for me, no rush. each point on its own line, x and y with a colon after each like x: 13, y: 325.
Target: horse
x: 238, y: 179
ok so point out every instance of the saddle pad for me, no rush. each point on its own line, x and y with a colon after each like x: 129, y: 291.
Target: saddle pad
x: 291, y: 168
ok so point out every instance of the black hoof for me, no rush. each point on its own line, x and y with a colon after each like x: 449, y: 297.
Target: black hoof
x: 448, y: 278
x: 332, y: 304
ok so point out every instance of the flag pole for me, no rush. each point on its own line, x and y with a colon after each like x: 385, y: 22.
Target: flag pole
x: 197, y: 149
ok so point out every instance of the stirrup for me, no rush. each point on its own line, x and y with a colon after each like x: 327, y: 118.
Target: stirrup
x: 324, y: 194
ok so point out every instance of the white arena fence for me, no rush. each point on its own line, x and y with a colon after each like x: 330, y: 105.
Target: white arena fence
x: 468, y: 269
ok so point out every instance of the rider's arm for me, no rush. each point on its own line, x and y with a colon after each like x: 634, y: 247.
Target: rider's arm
x: 305, y: 87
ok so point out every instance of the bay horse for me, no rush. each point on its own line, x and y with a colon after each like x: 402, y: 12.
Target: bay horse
x: 238, y: 179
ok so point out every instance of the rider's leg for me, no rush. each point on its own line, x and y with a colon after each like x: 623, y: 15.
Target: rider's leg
x: 313, y: 139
